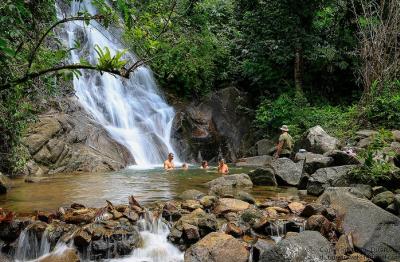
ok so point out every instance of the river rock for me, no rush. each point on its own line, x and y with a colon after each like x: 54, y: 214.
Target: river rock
x: 225, y: 205
x: 362, y: 190
x: 202, y: 221
x: 321, y: 224
x: 316, y: 140
x: 265, y: 147
x: 214, y: 125
x: 5, y: 184
x: 191, y: 194
x: 326, y: 177
x: 208, y: 201
x: 306, y: 246
x: 366, y: 133
x: 313, y: 162
x: 296, y: 207
x: 396, y: 135
x: 287, y: 172
x: 10, y: 231
x: 344, y: 246
x: 256, y: 161
x: 374, y: 230
x: 217, y: 247
x: 263, y: 177
x: 68, y: 255
x: 233, y: 181
x: 383, y: 199
x: 342, y: 158
x: 312, y: 209
x: 68, y: 139
x: 396, y: 202
x: 246, y: 197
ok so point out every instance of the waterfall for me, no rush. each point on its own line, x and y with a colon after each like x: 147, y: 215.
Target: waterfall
x: 132, y: 110
x: 156, y: 247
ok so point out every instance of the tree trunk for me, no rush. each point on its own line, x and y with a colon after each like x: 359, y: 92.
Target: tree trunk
x: 298, y: 70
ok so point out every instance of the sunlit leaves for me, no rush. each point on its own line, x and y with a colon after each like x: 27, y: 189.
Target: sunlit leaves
x: 107, y: 61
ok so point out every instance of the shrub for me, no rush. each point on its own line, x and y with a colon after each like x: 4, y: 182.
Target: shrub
x: 295, y: 111
x: 376, y: 166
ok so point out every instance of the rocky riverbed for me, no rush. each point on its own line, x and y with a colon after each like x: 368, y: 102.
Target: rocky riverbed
x: 225, y: 224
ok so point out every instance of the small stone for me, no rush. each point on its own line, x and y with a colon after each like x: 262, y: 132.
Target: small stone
x: 246, y: 197
x: 191, y: 194
x: 191, y: 204
x: 77, y: 206
x: 281, y: 210
x: 296, y: 207
x: 329, y: 213
x: 312, y: 209
x: 344, y: 246
x: 321, y: 224
x: 233, y: 230
x: 191, y: 233
x: 208, y: 201
x: 383, y: 199
x: 378, y: 189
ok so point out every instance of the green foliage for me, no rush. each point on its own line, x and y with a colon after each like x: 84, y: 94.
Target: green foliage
x: 107, y: 61
x: 375, y: 167
x: 384, y: 109
x: 294, y: 110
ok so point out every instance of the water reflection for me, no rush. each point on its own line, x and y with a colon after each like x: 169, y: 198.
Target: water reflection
x: 93, y: 189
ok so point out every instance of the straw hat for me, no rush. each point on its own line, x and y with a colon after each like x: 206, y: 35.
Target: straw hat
x: 284, y: 128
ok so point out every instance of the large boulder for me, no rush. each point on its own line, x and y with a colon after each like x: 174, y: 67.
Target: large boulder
x: 214, y: 125
x: 305, y: 246
x: 234, y: 181
x: 375, y: 231
x: 265, y: 147
x: 313, y: 162
x: 191, y: 194
x: 255, y: 161
x: 287, y: 172
x: 316, y: 140
x: 217, y: 247
x: 68, y: 139
x: 263, y: 177
x: 342, y: 158
x: 328, y: 177
x: 225, y: 205
x: 383, y: 199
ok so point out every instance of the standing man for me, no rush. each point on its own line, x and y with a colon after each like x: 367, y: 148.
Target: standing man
x: 285, y: 144
x: 169, y: 164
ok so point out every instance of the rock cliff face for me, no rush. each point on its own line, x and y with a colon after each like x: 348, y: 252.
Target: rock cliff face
x: 215, y: 126
x: 67, y: 139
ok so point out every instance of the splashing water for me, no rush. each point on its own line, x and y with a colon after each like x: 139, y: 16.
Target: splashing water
x: 156, y: 247
x: 132, y: 110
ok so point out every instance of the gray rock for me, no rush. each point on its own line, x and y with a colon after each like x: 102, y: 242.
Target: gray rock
x: 365, y: 142
x: 234, y: 181
x: 316, y: 140
x: 396, y: 135
x: 287, y: 172
x: 327, y: 177
x: 68, y: 139
x: 341, y: 158
x: 362, y: 190
x: 383, y: 199
x: 265, y: 147
x: 256, y: 161
x: 306, y: 246
x: 396, y: 202
x: 375, y: 231
x: 263, y: 177
x: 217, y: 247
x: 366, y: 133
x: 313, y: 162
x: 246, y: 197
x: 191, y: 194
x: 378, y: 189
x: 214, y: 124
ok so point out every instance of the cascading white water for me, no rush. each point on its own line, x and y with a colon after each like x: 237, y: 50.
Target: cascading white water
x: 132, y: 110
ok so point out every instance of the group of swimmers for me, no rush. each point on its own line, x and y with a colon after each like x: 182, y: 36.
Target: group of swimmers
x: 169, y: 165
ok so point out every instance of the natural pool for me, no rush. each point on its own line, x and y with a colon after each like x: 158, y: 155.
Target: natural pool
x: 92, y: 189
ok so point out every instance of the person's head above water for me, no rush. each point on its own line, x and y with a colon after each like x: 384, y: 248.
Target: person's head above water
x: 170, y: 156
x: 222, y: 161
x: 204, y: 164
